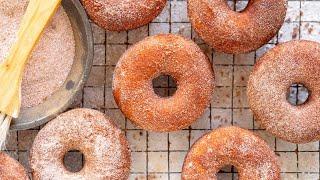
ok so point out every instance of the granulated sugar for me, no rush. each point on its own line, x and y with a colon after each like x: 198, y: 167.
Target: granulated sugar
x: 51, y: 60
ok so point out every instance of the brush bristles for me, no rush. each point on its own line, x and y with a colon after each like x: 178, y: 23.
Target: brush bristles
x: 4, y: 129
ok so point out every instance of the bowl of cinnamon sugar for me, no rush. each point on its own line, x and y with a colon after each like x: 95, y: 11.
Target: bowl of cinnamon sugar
x: 59, y: 64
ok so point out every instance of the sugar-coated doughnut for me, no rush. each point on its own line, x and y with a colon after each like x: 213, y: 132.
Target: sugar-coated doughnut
x: 11, y: 169
x: 237, y: 32
x: 249, y: 153
x: 103, y: 145
x: 294, y: 62
x: 163, y: 54
x: 115, y: 15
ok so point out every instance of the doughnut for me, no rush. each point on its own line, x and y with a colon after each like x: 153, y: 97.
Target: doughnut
x: 234, y: 32
x: 11, y: 169
x: 274, y: 73
x: 231, y: 146
x: 103, y: 145
x: 156, y: 55
x: 115, y: 15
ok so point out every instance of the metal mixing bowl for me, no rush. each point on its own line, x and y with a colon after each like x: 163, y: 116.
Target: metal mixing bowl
x: 62, y: 99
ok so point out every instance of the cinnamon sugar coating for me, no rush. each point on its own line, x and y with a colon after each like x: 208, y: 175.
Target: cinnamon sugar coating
x: 235, y: 146
x: 11, y: 169
x: 51, y: 60
x: 115, y: 15
x: 287, y: 64
x: 237, y: 32
x: 163, y: 54
x: 104, y: 146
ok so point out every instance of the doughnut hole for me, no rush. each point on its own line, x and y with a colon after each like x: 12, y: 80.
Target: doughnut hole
x: 238, y: 5
x: 164, y: 85
x: 73, y: 161
x: 297, y: 94
x: 228, y: 172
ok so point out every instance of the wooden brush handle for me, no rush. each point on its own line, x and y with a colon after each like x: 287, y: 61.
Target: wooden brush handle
x: 37, y: 16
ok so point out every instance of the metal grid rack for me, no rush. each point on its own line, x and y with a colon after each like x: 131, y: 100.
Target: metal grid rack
x: 160, y: 155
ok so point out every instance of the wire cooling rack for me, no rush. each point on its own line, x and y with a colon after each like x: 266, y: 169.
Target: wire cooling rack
x: 161, y: 155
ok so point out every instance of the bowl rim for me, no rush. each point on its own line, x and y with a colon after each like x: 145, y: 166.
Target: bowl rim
x: 41, y: 118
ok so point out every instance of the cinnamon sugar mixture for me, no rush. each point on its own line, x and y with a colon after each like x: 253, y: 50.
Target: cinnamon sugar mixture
x: 51, y: 60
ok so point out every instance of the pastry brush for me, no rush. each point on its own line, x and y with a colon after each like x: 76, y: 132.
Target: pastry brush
x: 34, y: 21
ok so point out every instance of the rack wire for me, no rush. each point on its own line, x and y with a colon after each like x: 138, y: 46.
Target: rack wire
x: 160, y: 155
